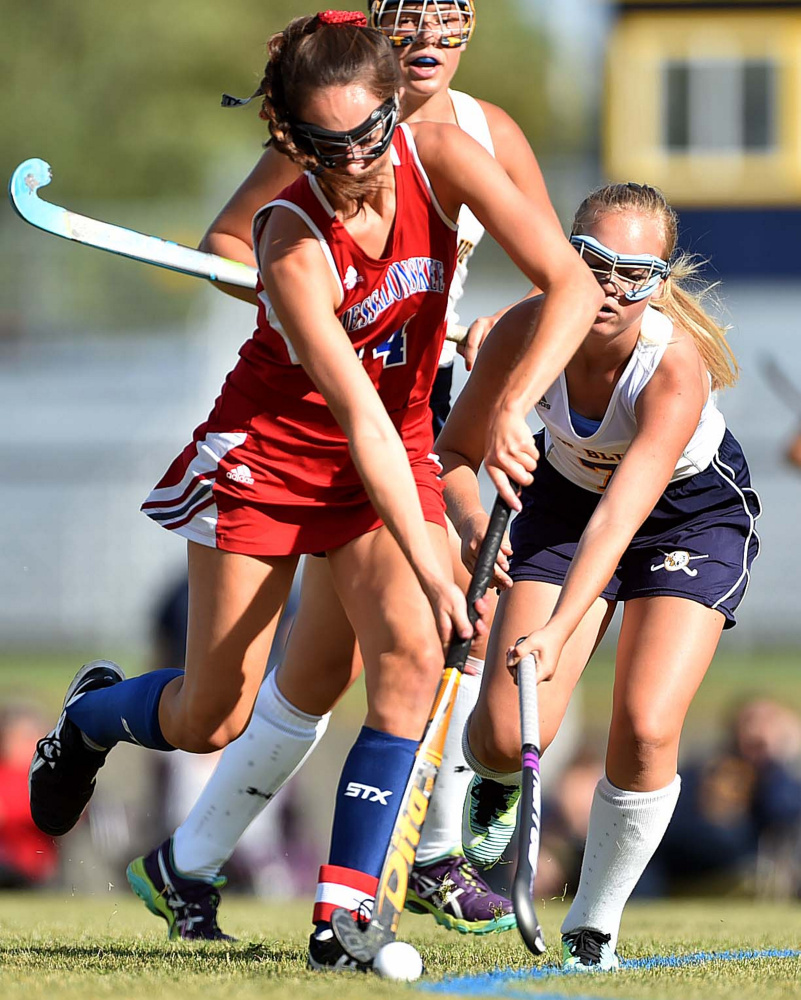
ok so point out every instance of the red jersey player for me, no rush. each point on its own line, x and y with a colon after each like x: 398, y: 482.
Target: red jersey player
x: 294, y: 703
x: 366, y: 491
x: 232, y: 489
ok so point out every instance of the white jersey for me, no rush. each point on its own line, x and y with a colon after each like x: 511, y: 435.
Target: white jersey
x: 471, y: 119
x: 590, y: 461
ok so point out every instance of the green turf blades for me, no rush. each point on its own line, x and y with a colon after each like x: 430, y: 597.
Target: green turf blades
x: 83, y: 946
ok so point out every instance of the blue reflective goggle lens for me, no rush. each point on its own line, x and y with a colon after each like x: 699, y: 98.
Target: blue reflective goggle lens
x: 368, y: 141
x: 636, y: 275
x: 403, y: 20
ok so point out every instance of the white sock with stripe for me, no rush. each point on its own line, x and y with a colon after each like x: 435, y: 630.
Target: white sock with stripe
x: 251, y: 771
x: 501, y: 777
x: 442, y: 833
x: 625, y: 829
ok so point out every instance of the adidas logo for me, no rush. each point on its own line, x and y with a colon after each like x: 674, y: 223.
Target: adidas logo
x: 241, y: 474
x: 544, y: 403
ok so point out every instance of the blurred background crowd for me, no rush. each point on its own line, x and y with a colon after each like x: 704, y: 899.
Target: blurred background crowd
x: 105, y: 365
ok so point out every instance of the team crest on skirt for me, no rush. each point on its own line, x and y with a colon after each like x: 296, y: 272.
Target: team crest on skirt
x: 678, y: 560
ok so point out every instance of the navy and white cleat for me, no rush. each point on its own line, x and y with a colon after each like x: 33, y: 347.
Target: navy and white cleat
x: 61, y: 779
x: 326, y: 954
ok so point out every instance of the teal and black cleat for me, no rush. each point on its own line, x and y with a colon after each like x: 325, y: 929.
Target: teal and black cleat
x: 189, y: 905
x: 488, y: 821
x: 588, y: 951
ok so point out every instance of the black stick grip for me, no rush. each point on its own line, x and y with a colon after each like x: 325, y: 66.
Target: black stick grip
x: 482, y: 576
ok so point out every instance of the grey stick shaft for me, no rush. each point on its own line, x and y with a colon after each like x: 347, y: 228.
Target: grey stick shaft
x: 529, y: 704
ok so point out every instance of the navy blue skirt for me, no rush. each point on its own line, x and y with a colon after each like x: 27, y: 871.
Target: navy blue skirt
x: 698, y: 542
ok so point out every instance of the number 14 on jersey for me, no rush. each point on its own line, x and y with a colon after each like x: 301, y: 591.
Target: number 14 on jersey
x: 393, y: 350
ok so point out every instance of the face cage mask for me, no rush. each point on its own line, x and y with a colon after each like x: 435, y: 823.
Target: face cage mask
x: 335, y: 149
x: 638, y: 288
x: 390, y: 17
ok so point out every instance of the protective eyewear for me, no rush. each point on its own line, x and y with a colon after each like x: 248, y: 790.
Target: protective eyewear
x: 636, y: 276
x: 403, y: 21
x: 366, y: 142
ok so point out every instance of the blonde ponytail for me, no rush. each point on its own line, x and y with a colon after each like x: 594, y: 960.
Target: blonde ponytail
x: 683, y: 301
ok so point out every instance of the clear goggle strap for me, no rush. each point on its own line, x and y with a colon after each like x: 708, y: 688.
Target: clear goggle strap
x: 634, y: 290
x: 402, y: 21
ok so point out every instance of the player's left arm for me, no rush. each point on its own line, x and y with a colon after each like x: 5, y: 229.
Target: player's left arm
x: 513, y: 152
x: 668, y: 411
x: 460, y: 444
x: 461, y: 172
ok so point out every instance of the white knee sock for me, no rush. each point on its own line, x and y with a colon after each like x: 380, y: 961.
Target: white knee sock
x: 501, y: 777
x: 251, y: 771
x: 625, y: 830
x: 442, y: 832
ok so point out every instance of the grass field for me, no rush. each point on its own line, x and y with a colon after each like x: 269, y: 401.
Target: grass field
x: 107, y: 946
x: 77, y: 947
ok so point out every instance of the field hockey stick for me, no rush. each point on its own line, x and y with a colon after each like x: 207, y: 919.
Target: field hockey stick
x: 780, y: 382
x: 33, y: 174
x: 362, y: 940
x: 23, y: 190
x: 529, y: 816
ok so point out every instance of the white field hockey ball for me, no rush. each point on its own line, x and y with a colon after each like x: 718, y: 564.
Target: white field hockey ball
x: 399, y: 961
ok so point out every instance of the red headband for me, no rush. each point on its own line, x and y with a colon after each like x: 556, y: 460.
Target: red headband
x: 354, y: 17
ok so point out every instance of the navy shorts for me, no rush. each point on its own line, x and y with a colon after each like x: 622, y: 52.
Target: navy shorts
x: 698, y: 542
x: 440, y: 401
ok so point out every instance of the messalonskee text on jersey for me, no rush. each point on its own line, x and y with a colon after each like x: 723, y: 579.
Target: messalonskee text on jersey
x: 404, y: 279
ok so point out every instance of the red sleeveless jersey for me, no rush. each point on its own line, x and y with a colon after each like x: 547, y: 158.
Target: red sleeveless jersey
x: 270, y: 472
x: 392, y: 308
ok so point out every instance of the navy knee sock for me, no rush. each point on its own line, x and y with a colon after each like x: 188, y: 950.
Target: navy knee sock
x: 368, y: 800
x: 127, y: 712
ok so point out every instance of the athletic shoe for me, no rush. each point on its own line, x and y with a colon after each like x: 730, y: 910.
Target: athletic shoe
x: 326, y: 954
x: 189, y: 905
x: 456, y: 895
x: 588, y: 951
x: 62, y: 774
x: 488, y: 821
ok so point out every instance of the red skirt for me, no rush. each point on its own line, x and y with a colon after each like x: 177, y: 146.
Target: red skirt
x: 232, y: 488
